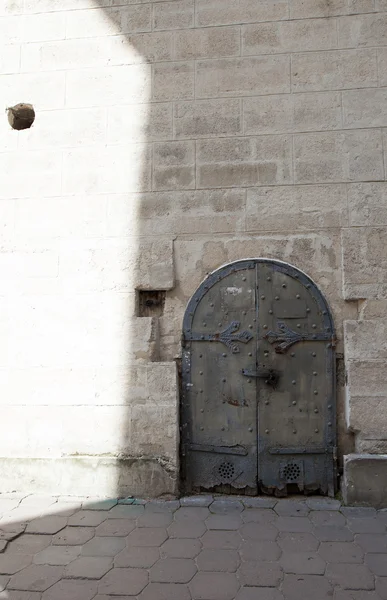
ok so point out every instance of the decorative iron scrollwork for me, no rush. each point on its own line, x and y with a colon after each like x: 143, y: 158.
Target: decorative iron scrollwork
x: 285, y: 337
x: 228, y: 337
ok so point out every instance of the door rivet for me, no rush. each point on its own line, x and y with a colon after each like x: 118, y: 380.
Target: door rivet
x: 270, y: 312
x: 267, y: 431
x: 200, y: 372
x: 329, y: 405
x: 294, y: 382
x: 294, y: 430
x: 316, y: 430
x: 250, y: 429
x: 224, y: 354
x: 308, y: 310
x: 324, y: 312
x: 243, y: 278
x: 202, y: 429
x: 298, y: 296
x: 266, y: 381
x: 212, y: 304
x: 250, y: 326
x: 298, y: 325
x: 314, y: 326
x: 313, y: 354
x: 224, y: 381
x: 292, y: 354
x: 222, y: 428
x: 268, y: 278
x: 276, y: 298
x: 316, y: 410
x: 294, y: 402
x: 249, y: 381
x: 265, y: 326
x: 266, y: 353
x: 219, y: 324
x: 315, y: 392
x: 202, y: 337
x: 329, y: 424
x: 250, y: 354
x: 262, y: 297
x: 202, y: 410
x: 284, y: 285
x: 200, y: 355
x: 314, y: 373
x: 266, y: 402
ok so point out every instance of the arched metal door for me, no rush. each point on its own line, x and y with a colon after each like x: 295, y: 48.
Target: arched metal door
x: 258, y: 394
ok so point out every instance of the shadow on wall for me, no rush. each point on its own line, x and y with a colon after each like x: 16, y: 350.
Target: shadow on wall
x: 138, y: 96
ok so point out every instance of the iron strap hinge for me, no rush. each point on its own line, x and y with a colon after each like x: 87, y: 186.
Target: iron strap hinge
x: 239, y: 450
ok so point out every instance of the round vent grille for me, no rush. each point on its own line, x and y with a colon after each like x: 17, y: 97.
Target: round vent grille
x: 226, y: 471
x: 291, y: 472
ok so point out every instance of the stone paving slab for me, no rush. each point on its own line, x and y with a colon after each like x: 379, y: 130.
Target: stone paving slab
x: 198, y: 548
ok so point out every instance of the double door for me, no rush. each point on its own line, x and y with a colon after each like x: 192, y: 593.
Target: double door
x: 258, y: 401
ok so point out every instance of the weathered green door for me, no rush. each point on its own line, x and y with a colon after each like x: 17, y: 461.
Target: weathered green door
x: 258, y: 397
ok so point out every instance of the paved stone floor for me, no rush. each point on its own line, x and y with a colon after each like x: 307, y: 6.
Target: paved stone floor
x: 199, y: 548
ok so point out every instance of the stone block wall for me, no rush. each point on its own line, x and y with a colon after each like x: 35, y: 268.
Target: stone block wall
x: 172, y: 137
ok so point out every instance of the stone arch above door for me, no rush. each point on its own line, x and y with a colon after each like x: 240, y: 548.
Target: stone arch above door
x: 258, y: 384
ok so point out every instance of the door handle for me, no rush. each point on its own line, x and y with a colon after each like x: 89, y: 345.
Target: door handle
x: 270, y: 376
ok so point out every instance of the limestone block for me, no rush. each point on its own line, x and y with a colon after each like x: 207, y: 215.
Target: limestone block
x: 292, y: 113
x: 364, y: 262
x: 366, y: 340
x: 211, y: 42
x: 306, y: 9
x: 338, y: 156
x: 173, y: 81
x: 11, y: 27
x: 250, y: 161
x: 97, y: 52
x: 368, y: 378
x: 174, y: 165
x: 334, y: 70
x: 74, y: 330
x: 107, y: 169
x: 125, y: 84
x: 362, y: 30
x: 210, y: 12
x: 365, y: 108
x: 178, y: 14
x: 154, y: 265
x: 209, y: 211
x: 15, y: 261
x: 205, y: 118
x: 365, y: 480
x: 367, y: 204
x: 162, y: 385
x: 367, y: 402
x: 152, y: 47
x: 247, y: 76
x: 11, y: 7
x: 306, y: 207
x: 45, y: 91
x: 137, y: 123
x: 77, y: 216
x: 44, y: 27
x: 110, y: 21
x: 381, y: 5
x: 155, y: 432
x: 42, y: 6
x: 37, y: 171
x: 289, y: 36
x: 10, y: 59
x: 61, y: 386
x: 382, y: 66
x: 66, y: 128
x: 7, y: 219
x: 373, y: 308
